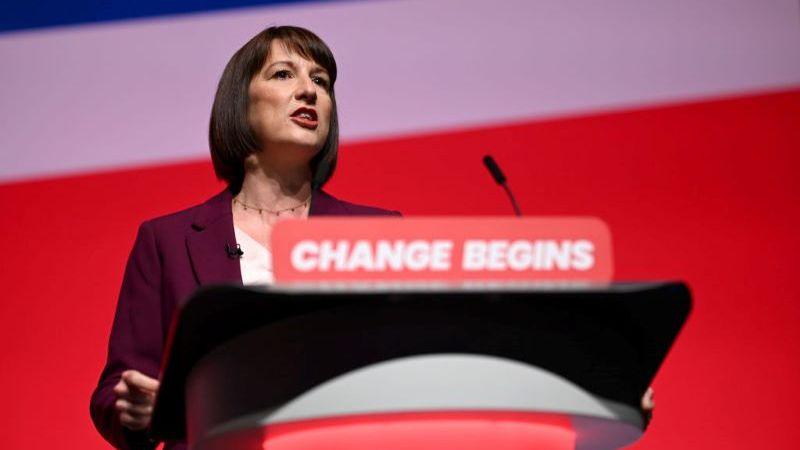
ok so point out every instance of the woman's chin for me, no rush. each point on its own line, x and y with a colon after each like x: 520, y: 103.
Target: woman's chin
x: 303, y: 141
x: 286, y: 154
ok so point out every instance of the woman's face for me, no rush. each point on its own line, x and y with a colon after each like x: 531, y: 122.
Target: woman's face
x: 290, y: 107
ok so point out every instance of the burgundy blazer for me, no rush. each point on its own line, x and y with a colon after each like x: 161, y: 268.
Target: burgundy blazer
x: 173, y: 255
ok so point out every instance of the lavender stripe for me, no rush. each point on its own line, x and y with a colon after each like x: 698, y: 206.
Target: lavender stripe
x: 101, y: 96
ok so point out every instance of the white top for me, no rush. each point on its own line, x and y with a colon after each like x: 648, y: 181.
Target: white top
x: 256, y: 261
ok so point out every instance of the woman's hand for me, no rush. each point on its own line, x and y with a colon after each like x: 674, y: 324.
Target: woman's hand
x: 648, y: 401
x: 136, y: 394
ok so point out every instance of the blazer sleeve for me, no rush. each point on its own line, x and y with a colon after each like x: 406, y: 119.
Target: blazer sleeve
x: 136, y: 340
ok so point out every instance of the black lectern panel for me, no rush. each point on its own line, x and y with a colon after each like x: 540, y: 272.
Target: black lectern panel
x: 609, y: 340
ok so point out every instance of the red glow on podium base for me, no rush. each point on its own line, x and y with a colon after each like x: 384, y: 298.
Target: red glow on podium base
x: 422, y: 431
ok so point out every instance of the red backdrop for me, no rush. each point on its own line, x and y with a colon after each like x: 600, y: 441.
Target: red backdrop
x: 703, y: 192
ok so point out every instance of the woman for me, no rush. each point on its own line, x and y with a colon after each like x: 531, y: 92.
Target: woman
x: 274, y: 139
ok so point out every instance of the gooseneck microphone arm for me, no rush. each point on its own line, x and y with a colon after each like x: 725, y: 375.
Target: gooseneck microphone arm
x: 500, y: 178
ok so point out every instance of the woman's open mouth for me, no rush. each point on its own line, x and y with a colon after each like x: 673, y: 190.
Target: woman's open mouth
x: 305, y: 117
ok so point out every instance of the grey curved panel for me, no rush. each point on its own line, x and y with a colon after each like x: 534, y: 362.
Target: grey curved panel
x: 456, y: 382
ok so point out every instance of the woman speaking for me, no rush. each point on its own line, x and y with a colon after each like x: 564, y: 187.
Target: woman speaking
x: 274, y: 138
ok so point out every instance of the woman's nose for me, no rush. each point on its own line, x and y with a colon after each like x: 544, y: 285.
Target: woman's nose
x: 306, y: 90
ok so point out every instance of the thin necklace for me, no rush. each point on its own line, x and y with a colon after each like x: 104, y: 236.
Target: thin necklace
x: 276, y: 212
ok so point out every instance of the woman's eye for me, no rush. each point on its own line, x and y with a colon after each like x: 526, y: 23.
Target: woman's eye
x: 321, y: 81
x: 282, y: 74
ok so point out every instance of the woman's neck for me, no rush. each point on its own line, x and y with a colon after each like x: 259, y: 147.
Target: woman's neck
x: 266, y: 187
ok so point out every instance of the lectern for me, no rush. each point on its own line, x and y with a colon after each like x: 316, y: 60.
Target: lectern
x: 370, y: 366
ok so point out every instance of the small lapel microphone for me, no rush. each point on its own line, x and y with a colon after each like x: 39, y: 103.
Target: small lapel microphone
x: 234, y: 252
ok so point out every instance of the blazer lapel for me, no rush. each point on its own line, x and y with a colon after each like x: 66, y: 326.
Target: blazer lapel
x: 324, y: 204
x: 209, y: 239
x: 212, y: 233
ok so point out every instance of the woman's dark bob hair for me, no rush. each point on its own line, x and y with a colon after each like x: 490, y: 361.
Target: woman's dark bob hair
x: 230, y: 138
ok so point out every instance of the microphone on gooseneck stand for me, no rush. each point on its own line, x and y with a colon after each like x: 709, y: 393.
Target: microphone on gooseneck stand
x: 498, y: 176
